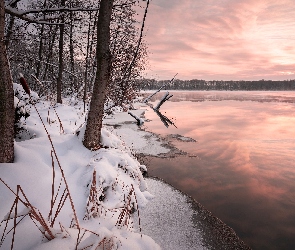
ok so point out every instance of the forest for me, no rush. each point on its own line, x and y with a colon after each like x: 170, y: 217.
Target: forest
x: 196, y: 84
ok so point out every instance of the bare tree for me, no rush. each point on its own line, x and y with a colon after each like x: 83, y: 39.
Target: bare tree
x: 103, y: 55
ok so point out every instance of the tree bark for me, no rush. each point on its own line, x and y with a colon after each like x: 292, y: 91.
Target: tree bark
x: 10, y: 27
x: 60, y: 57
x: 53, y: 31
x: 40, y: 52
x: 6, y: 99
x: 102, y: 79
x: 86, y: 62
x: 60, y: 63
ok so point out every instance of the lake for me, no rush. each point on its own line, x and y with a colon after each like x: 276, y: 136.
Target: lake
x: 242, y: 165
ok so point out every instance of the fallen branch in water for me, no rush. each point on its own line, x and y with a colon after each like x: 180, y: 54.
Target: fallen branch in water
x: 138, y: 119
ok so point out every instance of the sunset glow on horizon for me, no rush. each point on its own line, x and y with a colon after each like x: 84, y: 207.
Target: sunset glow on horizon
x: 221, y: 40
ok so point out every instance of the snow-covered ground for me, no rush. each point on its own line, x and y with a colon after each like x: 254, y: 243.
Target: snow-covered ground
x: 67, y: 197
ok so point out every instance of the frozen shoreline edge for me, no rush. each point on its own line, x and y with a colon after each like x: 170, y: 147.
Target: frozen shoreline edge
x: 217, y: 235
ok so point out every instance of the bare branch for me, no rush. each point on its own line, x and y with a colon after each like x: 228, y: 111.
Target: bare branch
x: 16, y: 13
x: 165, y: 98
x: 150, y: 96
x: 127, y: 73
x: 24, y: 14
x: 12, y: 2
x: 58, y: 9
x: 56, y: 66
x: 166, y: 121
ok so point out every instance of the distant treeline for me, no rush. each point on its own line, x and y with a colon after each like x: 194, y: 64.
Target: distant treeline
x: 195, y: 84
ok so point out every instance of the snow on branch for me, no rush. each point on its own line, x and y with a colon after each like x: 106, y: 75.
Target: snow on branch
x: 165, y: 98
x: 139, y: 120
x: 15, y: 12
x: 58, y: 9
x: 166, y: 121
x: 12, y: 2
x: 10, y: 8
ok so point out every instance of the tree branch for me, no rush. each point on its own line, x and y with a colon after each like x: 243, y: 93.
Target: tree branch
x: 24, y: 14
x: 150, y: 96
x: 14, y: 12
x: 58, y: 9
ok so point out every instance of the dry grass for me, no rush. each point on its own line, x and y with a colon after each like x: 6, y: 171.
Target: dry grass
x: 60, y: 194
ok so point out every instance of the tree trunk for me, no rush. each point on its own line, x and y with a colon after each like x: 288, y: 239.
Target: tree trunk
x: 86, y: 62
x: 40, y: 52
x: 60, y: 57
x: 53, y: 31
x: 6, y: 99
x: 103, y: 55
x: 72, y: 59
x: 10, y: 28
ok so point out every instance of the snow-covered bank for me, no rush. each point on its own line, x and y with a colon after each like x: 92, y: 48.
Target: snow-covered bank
x: 65, y: 196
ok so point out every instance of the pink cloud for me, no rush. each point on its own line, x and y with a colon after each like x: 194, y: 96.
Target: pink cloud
x: 221, y: 40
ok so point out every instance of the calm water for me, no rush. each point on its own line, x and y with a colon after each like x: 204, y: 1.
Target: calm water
x: 242, y: 167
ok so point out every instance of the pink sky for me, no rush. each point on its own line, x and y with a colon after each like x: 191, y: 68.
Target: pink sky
x: 221, y: 39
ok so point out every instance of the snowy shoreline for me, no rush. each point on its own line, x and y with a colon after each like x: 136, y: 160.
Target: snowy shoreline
x: 103, y: 193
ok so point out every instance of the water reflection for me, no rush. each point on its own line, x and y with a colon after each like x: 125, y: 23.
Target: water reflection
x: 243, y: 170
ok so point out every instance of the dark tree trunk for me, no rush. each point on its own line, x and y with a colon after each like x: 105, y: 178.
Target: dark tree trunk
x: 10, y: 28
x: 72, y: 59
x: 103, y: 55
x: 40, y: 52
x: 53, y: 31
x: 6, y: 99
x: 86, y: 62
x: 60, y: 58
x: 60, y: 64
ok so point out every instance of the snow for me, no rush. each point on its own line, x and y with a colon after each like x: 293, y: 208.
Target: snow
x: 106, y: 186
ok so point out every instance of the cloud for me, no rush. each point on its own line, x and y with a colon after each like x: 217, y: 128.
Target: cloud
x: 221, y: 38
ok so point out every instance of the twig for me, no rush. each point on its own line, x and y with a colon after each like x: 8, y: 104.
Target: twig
x: 15, y: 216
x: 137, y: 213
x: 150, y: 96
x: 62, y: 131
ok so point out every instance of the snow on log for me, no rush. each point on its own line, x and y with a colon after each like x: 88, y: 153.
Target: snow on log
x: 165, y: 98
x: 139, y: 120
